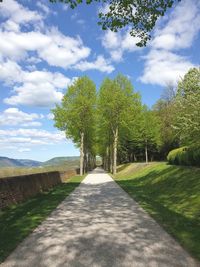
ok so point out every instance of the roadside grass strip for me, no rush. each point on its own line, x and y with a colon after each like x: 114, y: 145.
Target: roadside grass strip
x: 171, y: 195
x: 18, y: 221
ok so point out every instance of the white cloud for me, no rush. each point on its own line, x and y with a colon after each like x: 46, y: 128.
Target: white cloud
x: 10, y: 72
x: 117, y: 43
x: 63, y: 51
x: 163, y: 67
x: 30, y: 94
x: 34, y: 88
x: 50, y: 116
x: 181, y: 29
x: 100, y: 64
x: 14, y: 116
x: 17, y: 14
x: 21, y: 150
x: 162, y: 64
x: 33, y: 60
x: 43, y: 7
x: 30, y: 137
x: 31, y: 86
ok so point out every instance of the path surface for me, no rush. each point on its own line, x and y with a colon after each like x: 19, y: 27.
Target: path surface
x: 99, y: 225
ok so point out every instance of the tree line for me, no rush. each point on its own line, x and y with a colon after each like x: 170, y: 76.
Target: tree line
x: 114, y: 124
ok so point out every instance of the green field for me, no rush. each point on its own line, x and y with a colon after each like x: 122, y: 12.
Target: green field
x: 18, y: 221
x: 15, y: 171
x: 171, y: 195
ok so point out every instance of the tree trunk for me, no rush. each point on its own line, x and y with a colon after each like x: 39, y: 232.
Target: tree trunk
x: 107, y: 159
x: 110, y: 168
x: 146, y: 151
x: 115, y: 151
x: 82, y: 153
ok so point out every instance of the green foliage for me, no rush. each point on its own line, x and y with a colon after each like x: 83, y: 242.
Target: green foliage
x: 76, y: 112
x: 76, y: 116
x: 188, y: 156
x: 18, y: 221
x: 166, y: 112
x: 187, y: 119
x: 150, y: 127
x: 118, y: 106
x: 139, y: 16
x: 171, y: 195
x: 190, y: 82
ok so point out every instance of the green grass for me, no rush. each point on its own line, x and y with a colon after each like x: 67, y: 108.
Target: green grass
x: 18, y: 221
x: 171, y: 195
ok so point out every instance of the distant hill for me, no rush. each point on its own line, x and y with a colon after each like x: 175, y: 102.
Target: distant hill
x: 60, y: 161
x: 8, y: 162
x: 30, y: 163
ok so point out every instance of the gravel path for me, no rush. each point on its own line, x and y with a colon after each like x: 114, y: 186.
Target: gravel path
x: 99, y: 225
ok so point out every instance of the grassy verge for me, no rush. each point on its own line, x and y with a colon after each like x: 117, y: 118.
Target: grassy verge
x: 18, y: 221
x: 171, y: 195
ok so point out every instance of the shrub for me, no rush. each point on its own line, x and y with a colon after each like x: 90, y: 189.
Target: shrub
x: 189, y: 156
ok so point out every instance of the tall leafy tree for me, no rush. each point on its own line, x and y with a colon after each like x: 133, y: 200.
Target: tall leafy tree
x: 166, y: 110
x: 187, y: 119
x: 116, y: 106
x: 139, y: 15
x: 76, y: 116
x: 150, y: 131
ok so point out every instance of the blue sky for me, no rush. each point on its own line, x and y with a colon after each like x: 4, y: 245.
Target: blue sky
x: 44, y: 47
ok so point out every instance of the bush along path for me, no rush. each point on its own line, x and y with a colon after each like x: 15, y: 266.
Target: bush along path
x: 99, y: 225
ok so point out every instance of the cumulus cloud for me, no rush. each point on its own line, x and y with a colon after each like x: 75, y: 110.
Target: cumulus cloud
x: 14, y: 116
x: 117, y: 43
x: 63, y: 51
x: 30, y: 137
x: 100, y: 64
x: 34, y: 88
x: 162, y: 64
x: 181, y: 29
x: 10, y: 72
x: 164, y: 67
x: 17, y: 14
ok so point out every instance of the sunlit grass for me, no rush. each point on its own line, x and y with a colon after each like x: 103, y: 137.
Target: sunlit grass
x: 171, y: 195
x: 17, y: 221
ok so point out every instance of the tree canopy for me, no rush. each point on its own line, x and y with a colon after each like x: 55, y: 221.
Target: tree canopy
x: 114, y: 124
x: 76, y: 116
x: 138, y: 15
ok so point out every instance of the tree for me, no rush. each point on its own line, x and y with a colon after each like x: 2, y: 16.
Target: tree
x: 76, y: 116
x: 139, y: 15
x: 166, y: 110
x: 149, y: 131
x: 116, y: 105
x: 187, y: 122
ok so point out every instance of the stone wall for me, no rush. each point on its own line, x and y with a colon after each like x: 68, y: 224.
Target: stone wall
x: 16, y: 189
x: 67, y: 174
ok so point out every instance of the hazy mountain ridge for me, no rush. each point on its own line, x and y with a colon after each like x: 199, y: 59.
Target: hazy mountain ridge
x: 60, y: 160
x: 9, y: 162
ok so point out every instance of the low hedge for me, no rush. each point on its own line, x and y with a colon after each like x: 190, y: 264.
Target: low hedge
x: 188, y: 156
